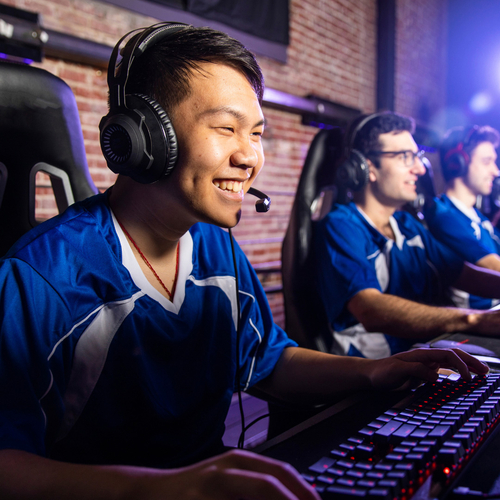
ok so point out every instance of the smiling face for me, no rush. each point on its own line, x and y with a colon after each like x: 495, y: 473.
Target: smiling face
x: 394, y: 183
x: 219, y: 128
x: 482, y: 169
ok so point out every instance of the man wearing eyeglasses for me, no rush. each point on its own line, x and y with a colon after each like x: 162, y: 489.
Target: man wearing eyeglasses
x: 468, y: 163
x: 381, y: 274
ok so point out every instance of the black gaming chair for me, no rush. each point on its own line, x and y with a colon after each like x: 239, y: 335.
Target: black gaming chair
x: 39, y: 131
x: 305, y: 318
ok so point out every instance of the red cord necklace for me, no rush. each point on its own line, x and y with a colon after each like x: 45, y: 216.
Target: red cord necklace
x: 146, y: 261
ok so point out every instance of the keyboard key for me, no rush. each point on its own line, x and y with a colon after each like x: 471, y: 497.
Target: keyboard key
x: 376, y: 474
x: 428, y: 442
x: 404, y: 431
x: 415, y: 421
x: 440, y: 431
x: 321, y: 465
x: 336, y: 471
x: 465, y: 438
x: 345, y: 481
x: 355, y: 473
x: 382, y: 493
x: 451, y: 443
x: 363, y: 451
x: 367, y: 431
x: 390, y: 484
x: 402, y: 449
x: 448, y: 457
x: 487, y: 412
x: 345, y: 463
x: 388, y: 429
x: 420, y: 433
x: 339, y: 453
x: 338, y: 492
x: 415, y: 457
x: 401, y: 477
x: 356, y: 440
x: 365, y: 466
x: 366, y: 483
x: 384, y: 466
x: 376, y: 424
x: 422, y: 449
x: 384, y: 418
x: 410, y: 442
x: 309, y: 478
x: 347, y: 446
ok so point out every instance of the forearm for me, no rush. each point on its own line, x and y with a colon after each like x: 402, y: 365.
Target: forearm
x: 482, y: 279
x: 308, y: 376
x: 27, y: 476
x: 234, y: 474
x: 404, y: 318
x: 491, y: 261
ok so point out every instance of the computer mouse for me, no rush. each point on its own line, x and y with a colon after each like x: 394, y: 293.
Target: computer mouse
x: 465, y: 346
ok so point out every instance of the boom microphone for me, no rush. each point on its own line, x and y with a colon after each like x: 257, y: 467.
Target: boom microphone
x: 263, y: 204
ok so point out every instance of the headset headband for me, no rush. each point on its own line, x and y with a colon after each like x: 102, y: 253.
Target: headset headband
x: 459, y: 148
x: 359, y: 126
x: 118, y: 74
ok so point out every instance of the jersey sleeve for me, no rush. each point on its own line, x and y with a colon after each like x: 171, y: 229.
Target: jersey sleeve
x: 456, y: 231
x: 261, y: 340
x: 31, y: 311
x: 343, y: 269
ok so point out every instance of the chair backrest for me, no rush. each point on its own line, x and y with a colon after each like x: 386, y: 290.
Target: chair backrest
x: 305, y: 319
x: 40, y: 130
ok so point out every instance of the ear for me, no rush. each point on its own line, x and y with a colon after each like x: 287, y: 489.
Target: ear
x: 372, y: 171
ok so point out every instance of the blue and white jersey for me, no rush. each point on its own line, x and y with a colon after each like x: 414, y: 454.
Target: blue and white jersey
x: 352, y: 255
x: 96, y: 366
x: 469, y: 234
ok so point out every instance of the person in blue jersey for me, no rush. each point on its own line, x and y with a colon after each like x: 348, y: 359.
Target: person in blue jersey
x: 468, y: 163
x: 123, y: 328
x: 382, y: 276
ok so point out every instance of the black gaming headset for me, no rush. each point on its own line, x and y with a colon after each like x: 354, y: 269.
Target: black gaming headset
x: 353, y: 173
x: 137, y: 137
x: 456, y: 160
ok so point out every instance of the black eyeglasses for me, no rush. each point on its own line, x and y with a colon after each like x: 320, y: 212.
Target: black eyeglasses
x: 408, y: 156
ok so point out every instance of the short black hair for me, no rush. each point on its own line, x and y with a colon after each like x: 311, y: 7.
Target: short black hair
x: 163, y: 71
x: 366, y: 139
x: 469, y: 137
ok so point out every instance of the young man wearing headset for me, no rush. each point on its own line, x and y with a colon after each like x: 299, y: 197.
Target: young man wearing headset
x: 123, y: 325
x: 382, y: 276
x: 468, y: 163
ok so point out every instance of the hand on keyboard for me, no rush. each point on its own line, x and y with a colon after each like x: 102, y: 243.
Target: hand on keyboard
x: 411, y: 368
x: 233, y: 475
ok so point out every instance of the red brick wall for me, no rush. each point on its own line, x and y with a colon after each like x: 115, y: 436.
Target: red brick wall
x: 332, y: 54
x: 421, y: 36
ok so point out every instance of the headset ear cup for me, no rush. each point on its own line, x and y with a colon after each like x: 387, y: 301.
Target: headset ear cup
x: 139, y: 140
x: 168, y: 129
x: 353, y: 173
x: 456, y: 164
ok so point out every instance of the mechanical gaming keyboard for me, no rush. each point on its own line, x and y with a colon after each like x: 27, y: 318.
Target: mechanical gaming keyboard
x: 428, y: 438
x: 433, y: 433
